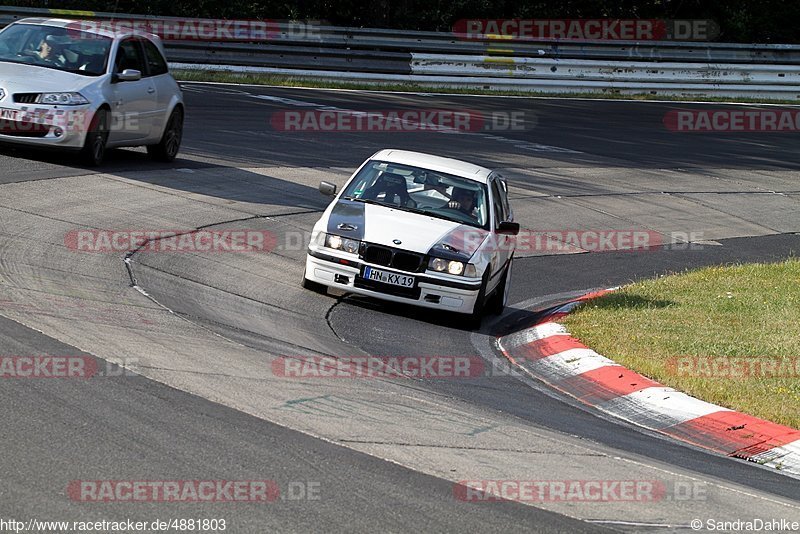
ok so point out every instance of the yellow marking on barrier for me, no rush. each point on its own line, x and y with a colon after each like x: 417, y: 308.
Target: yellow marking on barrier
x: 498, y: 36
x: 499, y: 50
x: 71, y: 12
x: 499, y: 60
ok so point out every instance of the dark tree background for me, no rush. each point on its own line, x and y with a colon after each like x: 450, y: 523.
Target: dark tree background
x: 745, y: 21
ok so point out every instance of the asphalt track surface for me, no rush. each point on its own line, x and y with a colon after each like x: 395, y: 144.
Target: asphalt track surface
x: 201, y: 402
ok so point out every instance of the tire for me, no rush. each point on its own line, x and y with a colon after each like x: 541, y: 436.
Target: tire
x: 94, y: 147
x: 499, y: 299
x: 167, y: 149
x: 475, y: 318
x: 316, y: 287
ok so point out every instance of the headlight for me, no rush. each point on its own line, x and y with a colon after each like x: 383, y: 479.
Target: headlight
x: 453, y: 267
x: 61, y: 99
x: 438, y: 264
x: 350, y: 246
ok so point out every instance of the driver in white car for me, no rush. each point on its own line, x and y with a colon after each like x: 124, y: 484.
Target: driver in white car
x: 463, y: 200
x: 52, y: 49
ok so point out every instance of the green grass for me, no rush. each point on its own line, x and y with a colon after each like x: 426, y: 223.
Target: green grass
x: 742, y: 311
x: 296, y: 81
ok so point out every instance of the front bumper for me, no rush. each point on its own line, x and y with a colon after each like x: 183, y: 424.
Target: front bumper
x: 44, y: 126
x: 430, y: 292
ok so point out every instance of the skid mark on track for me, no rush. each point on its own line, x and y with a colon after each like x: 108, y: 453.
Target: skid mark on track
x: 380, y: 411
x: 468, y: 448
x: 516, y: 143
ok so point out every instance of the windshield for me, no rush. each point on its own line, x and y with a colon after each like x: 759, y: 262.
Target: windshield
x: 420, y: 190
x: 55, y: 48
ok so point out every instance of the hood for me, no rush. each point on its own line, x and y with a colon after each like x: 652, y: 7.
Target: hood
x: 17, y: 78
x: 383, y: 225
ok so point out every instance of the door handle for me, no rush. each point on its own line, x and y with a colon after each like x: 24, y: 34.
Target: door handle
x: 151, y: 90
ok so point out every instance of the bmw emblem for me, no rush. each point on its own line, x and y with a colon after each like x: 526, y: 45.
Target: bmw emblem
x: 397, y: 242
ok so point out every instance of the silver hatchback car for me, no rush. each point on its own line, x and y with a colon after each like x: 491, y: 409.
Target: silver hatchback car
x: 63, y: 85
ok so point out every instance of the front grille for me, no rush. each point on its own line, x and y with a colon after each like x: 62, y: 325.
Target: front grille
x: 378, y: 255
x: 398, y: 259
x: 406, y: 262
x: 25, y: 98
x: 23, y: 129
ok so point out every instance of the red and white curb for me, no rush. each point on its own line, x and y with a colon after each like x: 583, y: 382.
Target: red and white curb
x: 548, y: 352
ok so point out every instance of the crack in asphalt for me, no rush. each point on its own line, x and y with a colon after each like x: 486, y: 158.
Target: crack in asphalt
x: 193, y: 319
x: 466, y: 448
x: 127, y: 260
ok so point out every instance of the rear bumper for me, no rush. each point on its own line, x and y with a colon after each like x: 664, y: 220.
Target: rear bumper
x: 428, y: 292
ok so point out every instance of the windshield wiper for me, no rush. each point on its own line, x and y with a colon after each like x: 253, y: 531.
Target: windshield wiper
x: 364, y: 200
x: 53, y: 67
x: 444, y: 218
x: 393, y: 206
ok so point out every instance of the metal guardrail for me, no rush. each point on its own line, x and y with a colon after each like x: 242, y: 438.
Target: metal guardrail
x: 444, y: 59
x: 547, y: 68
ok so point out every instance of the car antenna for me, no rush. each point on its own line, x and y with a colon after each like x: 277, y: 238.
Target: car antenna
x: 114, y: 13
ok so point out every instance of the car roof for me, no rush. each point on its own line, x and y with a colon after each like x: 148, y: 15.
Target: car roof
x: 103, y: 28
x: 455, y: 167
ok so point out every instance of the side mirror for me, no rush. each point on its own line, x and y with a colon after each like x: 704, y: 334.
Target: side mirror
x: 328, y: 189
x: 128, y: 75
x: 508, y: 228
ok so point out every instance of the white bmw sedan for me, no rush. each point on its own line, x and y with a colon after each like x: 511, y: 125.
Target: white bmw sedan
x: 64, y: 85
x: 417, y: 229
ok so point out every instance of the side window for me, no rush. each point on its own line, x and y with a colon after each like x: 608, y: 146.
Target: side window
x: 129, y: 56
x: 497, y: 203
x: 155, y: 60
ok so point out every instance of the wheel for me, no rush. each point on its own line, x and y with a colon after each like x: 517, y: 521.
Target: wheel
x: 499, y: 299
x: 316, y: 287
x: 167, y: 149
x: 94, y: 147
x: 475, y: 318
